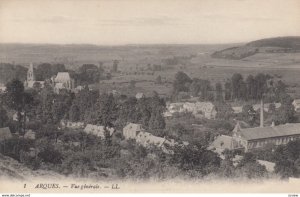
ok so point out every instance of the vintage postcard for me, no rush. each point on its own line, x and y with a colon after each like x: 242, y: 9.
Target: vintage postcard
x: 149, y: 96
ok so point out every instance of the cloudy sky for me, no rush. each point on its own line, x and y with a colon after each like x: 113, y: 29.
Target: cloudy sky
x: 114, y: 22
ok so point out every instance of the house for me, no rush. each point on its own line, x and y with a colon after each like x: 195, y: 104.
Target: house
x: 198, y: 109
x: 222, y: 143
x: 71, y: 125
x: 15, y: 117
x: 2, y: 88
x: 147, y: 139
x: 140, y: 95
x: 30, y: 81
x: 98, y: 131
x: 237, y: 109
x: 266, y: 106
x: 131, y: 130
x: 296, y: 104
x: 29, y: 135
x: 5, y: 134
x: 63, y: 81
x: 256, y: 107
x: 136, y: 131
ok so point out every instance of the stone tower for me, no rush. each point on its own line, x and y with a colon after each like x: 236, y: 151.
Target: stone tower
x: 30, y: 73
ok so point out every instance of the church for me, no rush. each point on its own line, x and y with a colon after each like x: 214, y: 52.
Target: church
x: 61, y: 81
x: 30, y: 81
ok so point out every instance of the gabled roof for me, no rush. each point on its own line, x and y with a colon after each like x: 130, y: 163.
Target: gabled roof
x: 133, y: 126
x: 62, y: 77
x: 224, y: 142
x: 5, y: 133
x: 147, y: 139
x: 270, y: 132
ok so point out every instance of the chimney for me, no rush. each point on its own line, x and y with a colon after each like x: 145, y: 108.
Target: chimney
x: 261, y: 113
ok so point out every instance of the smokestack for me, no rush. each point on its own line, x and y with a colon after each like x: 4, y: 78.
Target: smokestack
x: 261, y: 113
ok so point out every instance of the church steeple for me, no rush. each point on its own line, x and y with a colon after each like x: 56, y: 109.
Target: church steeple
x: 30, y: 73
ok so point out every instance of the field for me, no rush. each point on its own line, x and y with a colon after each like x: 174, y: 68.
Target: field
x: 135, y: 60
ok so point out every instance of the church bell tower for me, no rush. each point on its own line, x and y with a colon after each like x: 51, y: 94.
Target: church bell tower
x: 30, y: 73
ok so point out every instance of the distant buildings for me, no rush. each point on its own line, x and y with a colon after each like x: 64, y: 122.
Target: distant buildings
x: 198, y: 109
x: 98, y: 131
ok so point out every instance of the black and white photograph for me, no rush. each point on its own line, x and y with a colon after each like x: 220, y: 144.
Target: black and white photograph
x: 146, y: 96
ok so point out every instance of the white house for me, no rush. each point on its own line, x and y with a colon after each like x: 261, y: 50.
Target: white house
x: 98, y: 131
x: 200, y: 109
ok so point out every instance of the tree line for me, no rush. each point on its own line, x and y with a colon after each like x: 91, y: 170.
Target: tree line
x: 235, y: 88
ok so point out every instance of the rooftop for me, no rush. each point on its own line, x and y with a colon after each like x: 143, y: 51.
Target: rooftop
x: 270, y: 132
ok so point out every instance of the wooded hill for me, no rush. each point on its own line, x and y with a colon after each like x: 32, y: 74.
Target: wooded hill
x: 268, y: 45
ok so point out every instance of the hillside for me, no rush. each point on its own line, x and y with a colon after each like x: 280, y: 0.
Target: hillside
x: 12, y: 169
x: 269, y: 45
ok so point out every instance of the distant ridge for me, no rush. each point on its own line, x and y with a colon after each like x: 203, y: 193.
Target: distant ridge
x: 290, y: 44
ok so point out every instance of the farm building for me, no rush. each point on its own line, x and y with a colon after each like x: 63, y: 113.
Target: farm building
x: 98, y: 131
x: 200, y: 109
x: 5, y: 134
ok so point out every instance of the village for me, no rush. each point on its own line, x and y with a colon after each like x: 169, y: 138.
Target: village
x: 71, y: 118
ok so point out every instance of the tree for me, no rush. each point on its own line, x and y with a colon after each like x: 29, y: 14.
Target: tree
x: 181, y: 82
x: 3, y: 117
x: 132, y: 84
x: 17, y: 99
x: 219, y: 92
x: 115, y: 66
x: 228, y: 90
x: 287, y: 159
x: 236, y: 81
x: 74, y: 113
x: 158, y: 79
x: 251, y: 87
x: 249, y: 114
x: 157, y: 121
x: 286, y: 112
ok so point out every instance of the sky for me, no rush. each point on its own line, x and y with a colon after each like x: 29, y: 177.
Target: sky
x: 119, y: 22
